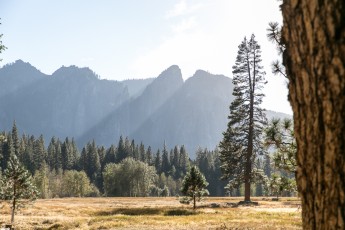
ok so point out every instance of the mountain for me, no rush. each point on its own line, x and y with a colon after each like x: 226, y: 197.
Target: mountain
x: 272, y: 114
x: 137, y: 86
x: 63, y: 104
x: 132, y: 115
x: 195, y: 116
x: 15, y: 76
x: 75, y: 102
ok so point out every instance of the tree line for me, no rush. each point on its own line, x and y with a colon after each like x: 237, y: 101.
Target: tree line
x: 125, y: 169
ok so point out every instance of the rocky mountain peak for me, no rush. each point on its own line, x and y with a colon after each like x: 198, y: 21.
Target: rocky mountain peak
x: 75, y: 71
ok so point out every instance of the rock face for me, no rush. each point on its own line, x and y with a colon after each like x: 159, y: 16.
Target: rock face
x: 63, y: 104
x: 74, y: 102
x: 136, y: 112
x: 196, y: 115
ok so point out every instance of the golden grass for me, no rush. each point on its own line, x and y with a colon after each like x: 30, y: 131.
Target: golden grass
x: 154, y: 213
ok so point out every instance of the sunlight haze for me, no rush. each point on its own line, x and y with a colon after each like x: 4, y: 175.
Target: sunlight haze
x: 139, y: 39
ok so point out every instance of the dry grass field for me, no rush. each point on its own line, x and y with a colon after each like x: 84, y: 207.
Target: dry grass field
x: 154, y: 213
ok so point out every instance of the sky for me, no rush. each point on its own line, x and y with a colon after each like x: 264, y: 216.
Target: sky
x: 132, y: 39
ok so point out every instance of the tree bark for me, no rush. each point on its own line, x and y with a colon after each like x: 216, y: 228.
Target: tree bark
x: 13, y: 210
x: 194, y: 201
x: 248, y: 166
x: 314, y: 37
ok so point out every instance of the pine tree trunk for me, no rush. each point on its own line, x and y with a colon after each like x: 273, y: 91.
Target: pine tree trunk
x: 314, y: 35
x: 194, y: 201
x: 248, y: 168
x: 13, y: 210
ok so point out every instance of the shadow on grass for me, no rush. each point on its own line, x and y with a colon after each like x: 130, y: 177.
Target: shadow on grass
x: 130, y: 212
x: 292, y: 203
x: 55, y: 226
x: 146, y: 211
x: 179, y: 212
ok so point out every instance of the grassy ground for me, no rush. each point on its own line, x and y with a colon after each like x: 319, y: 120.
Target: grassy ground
x: 154, y: 213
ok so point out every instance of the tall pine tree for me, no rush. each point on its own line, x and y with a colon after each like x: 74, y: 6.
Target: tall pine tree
x: 241, y: 142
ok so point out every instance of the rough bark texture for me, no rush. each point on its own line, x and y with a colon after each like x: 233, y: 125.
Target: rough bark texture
x: 314, y: 36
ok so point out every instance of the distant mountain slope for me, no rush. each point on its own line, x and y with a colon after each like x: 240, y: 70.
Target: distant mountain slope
x: 195, y: 116
x: 136, y: 86
x: 74, y: 102
x: 18, y: 75
x: 63, y: 104
x: 131, y: 115
x: 272, y: 114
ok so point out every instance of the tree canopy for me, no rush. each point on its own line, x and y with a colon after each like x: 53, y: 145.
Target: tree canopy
x: 194, y: 185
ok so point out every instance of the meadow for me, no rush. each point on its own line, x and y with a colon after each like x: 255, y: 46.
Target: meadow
x: 155, y: 213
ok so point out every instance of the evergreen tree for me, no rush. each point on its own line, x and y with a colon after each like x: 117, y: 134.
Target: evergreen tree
x: 121, y: 150
x: 66, y: 154
x: 75, y: 154
x: 241, y: 142
x: 7, y: 151
x: 83, y: 161
x: 165, y: 160
x: 158, y: 162
x: 279, y: 134
x: 58, y: 155
x: 39, y: 154
x: 28, y: 155
x: 17, y: 185
x: 142, y: 153
x: 149, y: 157
x: 209, y: 164
x: 176, y: 157
x: 129, y: 149
x: 202, y: 160
x: 217, y: 185
x: 259, y: 184
x: 22, y: 145
x: 194, y: 185
x: 101, y: 153
x: 134, y: 151
x: 51, y: 151
x: 93, y: 165
x: 183, y: 161
x: 15, y: 140
x: 110, y: 155
x: 171, y: 157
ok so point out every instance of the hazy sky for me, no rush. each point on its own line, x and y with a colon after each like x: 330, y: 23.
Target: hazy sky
x: 125, y: 39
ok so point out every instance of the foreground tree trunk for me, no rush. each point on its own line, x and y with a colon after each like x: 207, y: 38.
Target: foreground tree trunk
x: 314, y: 37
